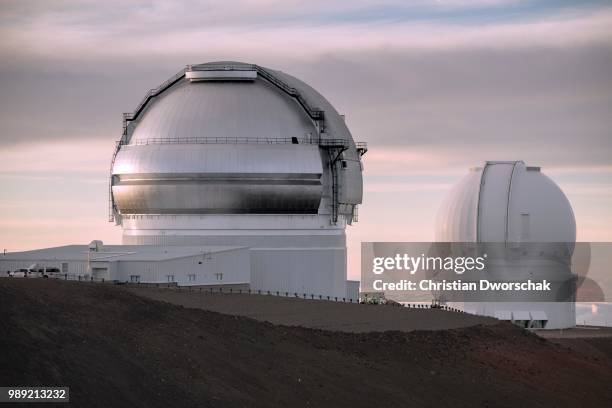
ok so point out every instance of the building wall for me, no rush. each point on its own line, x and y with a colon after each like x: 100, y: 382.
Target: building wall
x: 313, y: 271
x: 227, y: 267
x: 289, y: 253
x: 74, y: 268
x: 561, y: 315
x: 352, y: 290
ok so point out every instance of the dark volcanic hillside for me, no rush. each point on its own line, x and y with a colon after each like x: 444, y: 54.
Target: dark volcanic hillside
x: 114, y: 348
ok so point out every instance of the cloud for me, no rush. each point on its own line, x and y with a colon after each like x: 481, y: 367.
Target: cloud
x: 139, y: 29
x: 434, y: 87
x: 456, y: 92
x: 62, y: 156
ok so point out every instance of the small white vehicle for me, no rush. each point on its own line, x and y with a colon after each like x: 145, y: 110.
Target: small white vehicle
x: 22, y: 273
x: 49, y: 272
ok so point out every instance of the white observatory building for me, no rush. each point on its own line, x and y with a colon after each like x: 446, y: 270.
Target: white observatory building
x: 228, y: 156
x: 526, y: 214
x: 234, y: 154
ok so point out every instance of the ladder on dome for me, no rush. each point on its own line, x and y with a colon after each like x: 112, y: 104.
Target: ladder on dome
x: 315, y: 114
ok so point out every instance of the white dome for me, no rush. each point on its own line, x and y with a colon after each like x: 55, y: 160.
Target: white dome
x: 506, y: 202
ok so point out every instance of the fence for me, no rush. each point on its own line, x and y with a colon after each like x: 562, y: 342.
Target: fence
x: 239, y: 291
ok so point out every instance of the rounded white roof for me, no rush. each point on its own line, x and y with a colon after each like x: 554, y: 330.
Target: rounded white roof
x: 506, y: 202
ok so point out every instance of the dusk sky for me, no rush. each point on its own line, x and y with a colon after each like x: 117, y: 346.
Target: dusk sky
x: 434, y: 87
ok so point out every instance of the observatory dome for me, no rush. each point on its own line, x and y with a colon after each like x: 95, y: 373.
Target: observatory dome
x: 509, y: 202
x: 235, y: 138
x: 229, y: 154
x: 506, y: 202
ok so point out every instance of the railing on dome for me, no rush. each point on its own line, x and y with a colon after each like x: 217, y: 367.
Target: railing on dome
x: 362, y: 148
x: 334, y: 146
x: 329, y: 143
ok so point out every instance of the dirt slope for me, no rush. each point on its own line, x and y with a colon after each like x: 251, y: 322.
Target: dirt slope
x: 117, y: 349
x: 317, y: 314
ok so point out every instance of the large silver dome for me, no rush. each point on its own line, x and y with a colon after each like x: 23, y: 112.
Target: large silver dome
x: 235, y: 138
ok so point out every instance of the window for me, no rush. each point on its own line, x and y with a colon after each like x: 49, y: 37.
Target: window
x: 191, y: 277
x: 344, y: 164
x: 206, y: 256
x: 135, y: 278
x: 64, y: 267
x: 219, y: 276
x: 525, y: 227
x: 170, y: 278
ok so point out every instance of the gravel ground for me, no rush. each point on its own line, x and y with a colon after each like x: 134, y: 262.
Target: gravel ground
x: 117, y: 349
x: 317, y: 314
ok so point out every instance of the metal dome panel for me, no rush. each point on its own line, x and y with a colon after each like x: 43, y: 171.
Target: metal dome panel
x: 222, y: 109
x: 217, y: 179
